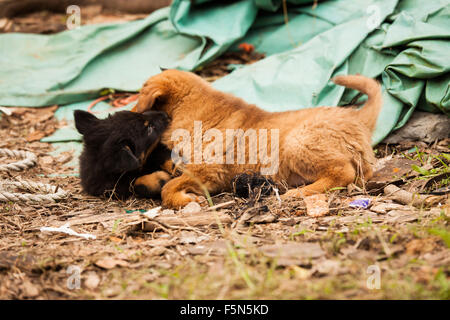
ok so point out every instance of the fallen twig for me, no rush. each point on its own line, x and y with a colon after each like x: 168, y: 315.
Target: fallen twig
x: 404, y: 197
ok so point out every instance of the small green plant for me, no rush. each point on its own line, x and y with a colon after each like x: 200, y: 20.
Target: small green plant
x: 115, y: 226
x: 443, y: 283
x: 107, y: 91
x: 299, y: 233
x: 392, y: 239
x: 442, y: 233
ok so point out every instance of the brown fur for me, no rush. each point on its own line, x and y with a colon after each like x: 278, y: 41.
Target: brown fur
x: 152, y: 183
x: 320, y: 148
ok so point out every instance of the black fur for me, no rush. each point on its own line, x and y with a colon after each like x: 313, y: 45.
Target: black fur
x: 113, y: 147
x: 252, y: 185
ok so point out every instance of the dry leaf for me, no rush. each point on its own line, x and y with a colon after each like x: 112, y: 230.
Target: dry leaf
x: 425, y: 274
x: 35, y: 136
x: 419, y: 246
x: 109, y: 263
x: 115, y: 239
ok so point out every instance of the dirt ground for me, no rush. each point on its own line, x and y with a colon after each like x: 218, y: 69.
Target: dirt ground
x: 252, y: 248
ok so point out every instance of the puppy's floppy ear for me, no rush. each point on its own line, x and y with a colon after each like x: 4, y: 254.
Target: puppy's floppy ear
x: 154, y: 115
x: 147, y: 98
x: 159, y: 120
x: 85, y: 121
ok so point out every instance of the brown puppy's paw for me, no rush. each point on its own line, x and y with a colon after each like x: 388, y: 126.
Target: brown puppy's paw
x: 300, y: 193
x: 201, y: 200
x: 292, y: 193
x: 179, y: 200
x: 178, y: 192
x: 150, y: 185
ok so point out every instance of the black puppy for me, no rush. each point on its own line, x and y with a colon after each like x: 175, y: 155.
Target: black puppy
x: 116, y: 152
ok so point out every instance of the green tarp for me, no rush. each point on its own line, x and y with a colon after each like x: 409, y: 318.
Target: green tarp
x: 405, y: 44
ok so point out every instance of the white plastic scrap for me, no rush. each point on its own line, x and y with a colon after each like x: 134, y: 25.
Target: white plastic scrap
x: 152, y: 213
x: 65, y: 228
x: 6, y: 111
x: 277, y: 194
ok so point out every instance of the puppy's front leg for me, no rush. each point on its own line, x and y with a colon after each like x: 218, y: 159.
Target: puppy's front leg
x: 179, y: 191
x: 150, y: 185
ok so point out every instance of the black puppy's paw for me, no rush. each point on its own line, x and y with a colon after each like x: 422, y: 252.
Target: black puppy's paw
x: 150, y: 185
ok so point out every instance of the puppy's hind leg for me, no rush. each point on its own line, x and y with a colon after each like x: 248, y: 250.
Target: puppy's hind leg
x: 338, y: 176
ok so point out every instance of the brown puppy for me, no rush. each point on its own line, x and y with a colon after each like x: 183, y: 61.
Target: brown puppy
x: 318, y: 148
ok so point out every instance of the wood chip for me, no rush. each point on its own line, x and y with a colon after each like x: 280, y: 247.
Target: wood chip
x: 187, y: 221
x: 384, y: 208
x: 400, y: 216
x: 316, y: 205
x: 29, y: 289
x: 218, y: 247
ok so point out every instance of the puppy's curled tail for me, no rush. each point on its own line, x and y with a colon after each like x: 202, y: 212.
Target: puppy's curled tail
x: 368, y: 114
